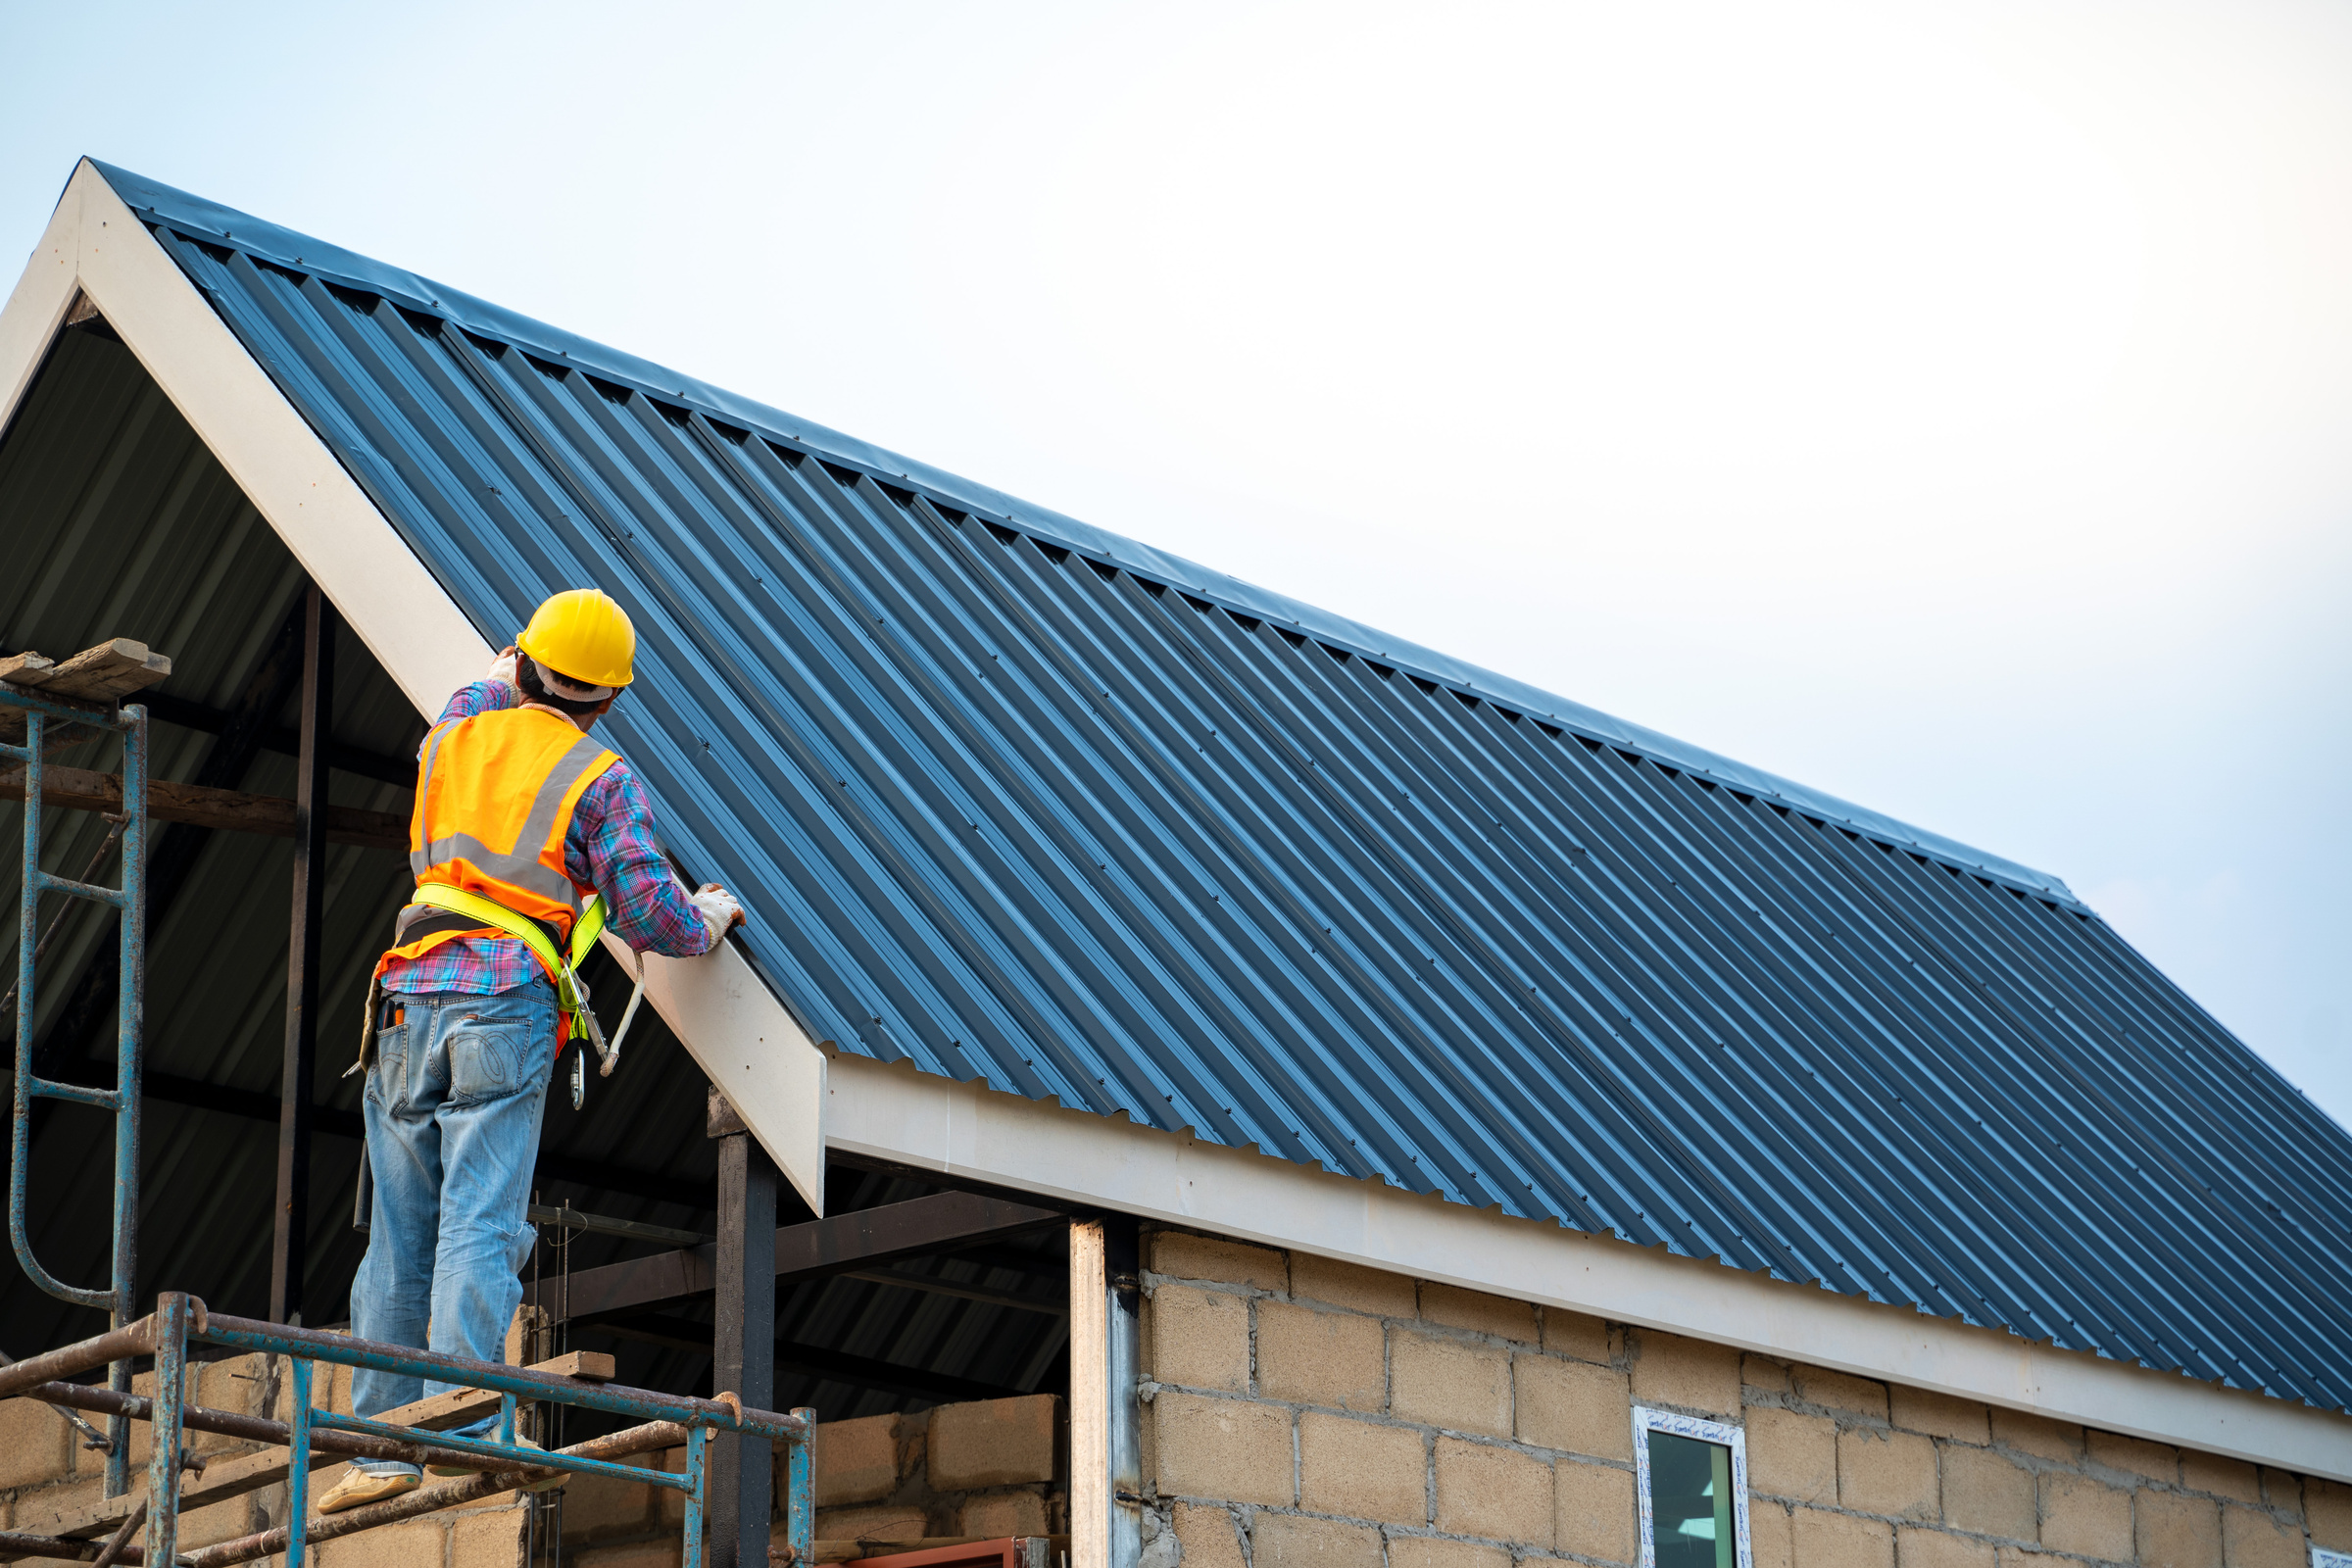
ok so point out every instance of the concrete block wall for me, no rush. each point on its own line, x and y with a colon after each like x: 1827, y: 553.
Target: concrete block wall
x: 994, y: 1467
x: 46, y: 1475
x: 1309, y: 1414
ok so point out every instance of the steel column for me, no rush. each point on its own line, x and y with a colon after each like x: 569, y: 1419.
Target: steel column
x: 292, y: 1237
x: 130, y: 1049
x: 170, y: 1335
x: 743, y: 1350
x: 1106, y: 1522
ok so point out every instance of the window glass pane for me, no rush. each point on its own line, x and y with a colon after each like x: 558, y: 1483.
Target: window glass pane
x: 1690, y: 1503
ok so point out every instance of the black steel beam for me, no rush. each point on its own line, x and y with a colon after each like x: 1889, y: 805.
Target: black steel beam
x: 815, y: 1360
x: 862, y: 1238
x: 343, y: 758
x: 290, y: 1242
x: 595, y: 1174
x: 743, y: 1347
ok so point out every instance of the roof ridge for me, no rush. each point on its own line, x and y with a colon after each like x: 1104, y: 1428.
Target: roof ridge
x: 201, y: 218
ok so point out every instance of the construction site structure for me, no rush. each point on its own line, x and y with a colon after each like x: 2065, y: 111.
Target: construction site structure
x: 42, y: 703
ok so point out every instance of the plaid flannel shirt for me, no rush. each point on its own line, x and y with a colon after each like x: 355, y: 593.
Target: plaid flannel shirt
x: 609, y: 847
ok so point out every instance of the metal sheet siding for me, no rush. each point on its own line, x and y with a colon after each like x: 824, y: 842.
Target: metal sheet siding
x: 1007, y: 804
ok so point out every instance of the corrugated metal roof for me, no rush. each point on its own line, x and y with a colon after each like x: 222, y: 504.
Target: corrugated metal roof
x: 1027, y: 804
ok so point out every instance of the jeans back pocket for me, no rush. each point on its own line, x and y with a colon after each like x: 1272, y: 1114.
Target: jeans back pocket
x: 482, y: 1057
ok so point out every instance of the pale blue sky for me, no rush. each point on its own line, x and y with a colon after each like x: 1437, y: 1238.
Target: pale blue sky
x: 1950, y: 408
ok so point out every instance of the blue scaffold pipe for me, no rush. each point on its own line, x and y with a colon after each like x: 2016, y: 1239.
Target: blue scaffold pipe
x: 696, y: 1451
x: 171, y: 1335
x: 298, y: 1463
x: 498, y: 1455
x: 800, y: 1493
x: 131, y: 1055
x: 279, y: 1339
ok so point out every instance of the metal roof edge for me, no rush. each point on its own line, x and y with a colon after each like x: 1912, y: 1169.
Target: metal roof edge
x: 201, y: 218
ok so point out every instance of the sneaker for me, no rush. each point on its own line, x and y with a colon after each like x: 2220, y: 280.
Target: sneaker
x: 360, y: 1486
x: 556, y: 1479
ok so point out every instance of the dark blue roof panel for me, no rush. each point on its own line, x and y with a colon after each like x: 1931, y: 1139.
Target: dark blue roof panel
x: 1025, y: 802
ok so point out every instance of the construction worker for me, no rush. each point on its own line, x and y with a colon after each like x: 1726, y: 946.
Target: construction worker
x: 527, y: 835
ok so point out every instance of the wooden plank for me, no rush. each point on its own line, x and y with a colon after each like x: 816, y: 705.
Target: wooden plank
x: 455, y: 1409
x: 113, y: 669
x: 26, y: 669
x: 1090, y: 1397
x: 233, y: 1476
x: 233, y: 810
x: 862, y: 1238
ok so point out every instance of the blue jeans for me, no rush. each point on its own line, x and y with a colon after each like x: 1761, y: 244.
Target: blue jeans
x: 452, y: 1107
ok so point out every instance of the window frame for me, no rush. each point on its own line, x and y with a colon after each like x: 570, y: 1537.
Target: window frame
x: 1722, y: 1434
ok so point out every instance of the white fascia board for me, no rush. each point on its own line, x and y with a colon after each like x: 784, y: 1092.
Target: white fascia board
x: 736, y: 1030
x: 967, y: 1133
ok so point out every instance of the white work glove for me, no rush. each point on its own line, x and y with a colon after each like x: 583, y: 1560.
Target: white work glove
x: 719, y: 910
x: 503, y: 669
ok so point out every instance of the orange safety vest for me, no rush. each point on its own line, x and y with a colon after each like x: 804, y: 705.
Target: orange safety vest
x: 494, y: 795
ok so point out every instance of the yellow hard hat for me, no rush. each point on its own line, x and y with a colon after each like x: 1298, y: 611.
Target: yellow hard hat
x: 584, y: 636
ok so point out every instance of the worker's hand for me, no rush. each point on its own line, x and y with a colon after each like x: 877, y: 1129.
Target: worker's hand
x: 720, y: 910
x: 503, y: 666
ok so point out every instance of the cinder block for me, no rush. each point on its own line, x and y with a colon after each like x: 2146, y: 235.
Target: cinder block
x: 1449, y: 1383
x: 851, y: 1462
x: 1574, y: 1407
x: 1498, y: 1493
x: 2037, y: 1436
x: 1932, y: 1548
x: 1289, y: 1541
x: 1228, y: 1449
x: 1477, y: 1313
x: 1819, y: 1538
x: 2155, y: 1460
x: 993, y: 1442
x: 606, y: 1505
x: 2326, y: 1512
x: 1209, y: 1537
x: 213, y: 1523
x: 2172, y: 1531
x: 234, y: 1385
x: 1329, y: 1358
x: 2282, y: 1489
x: 2252, y: 1539
x: 1594, y: 1514
x: 1838, y: 1392
x: 1201, y: 1339
x: 1989, y: 1494
x: 1567, y: 1333
x: 1765, y: 1374
x: 1362, y: 1470
x: 1939, y: 1415
x: 1690, y: 1373
x: 1791, y: 1455
x: 1886, y: 1472
x: 1435, y: 1551
x: 2224, y: 1477
x: 36, y: 1443
x: 2085, y: 1517
x: 878, y: 1522
x: 490, y: 1539
x: 1003, y: 1513
x: 43, y: 1512
x: 1362, y: 1290
x: 1185, y: 1256
x: 412, y: 1543
x: 1768, y: 1534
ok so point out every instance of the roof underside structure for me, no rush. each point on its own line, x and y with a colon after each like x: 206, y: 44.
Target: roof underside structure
x: 1019, y: 802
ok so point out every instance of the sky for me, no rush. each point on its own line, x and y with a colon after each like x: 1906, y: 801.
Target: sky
x: 1947, y: 407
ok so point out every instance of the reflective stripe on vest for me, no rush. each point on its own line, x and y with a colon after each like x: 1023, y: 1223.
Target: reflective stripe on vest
x: 495, y: 797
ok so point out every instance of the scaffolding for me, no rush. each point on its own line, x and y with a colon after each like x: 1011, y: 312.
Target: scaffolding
x: 312, y: 1437
x: 316, y: 1437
